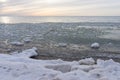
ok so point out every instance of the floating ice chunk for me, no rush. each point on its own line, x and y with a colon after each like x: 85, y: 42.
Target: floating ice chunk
x: 75, y: 47
x: 16, y: 43
x: 87, y: 61
x: 27, y: 53
x: 27, y: 40
x: 59, y: 34
x: 62, y: 44
x: 95, y: 45
x: 110, y: 44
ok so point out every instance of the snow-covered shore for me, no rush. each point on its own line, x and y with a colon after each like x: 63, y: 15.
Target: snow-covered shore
x: 18, y: 66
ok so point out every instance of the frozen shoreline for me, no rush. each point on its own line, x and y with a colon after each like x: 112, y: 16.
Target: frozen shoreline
x: 19, y: 66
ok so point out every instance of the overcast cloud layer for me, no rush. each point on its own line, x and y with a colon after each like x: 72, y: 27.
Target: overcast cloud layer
x: 60, y: 7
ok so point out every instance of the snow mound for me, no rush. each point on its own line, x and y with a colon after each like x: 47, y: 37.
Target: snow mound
x: 19, y: 66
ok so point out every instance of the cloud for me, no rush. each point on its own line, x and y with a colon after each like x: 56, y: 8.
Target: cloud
x: 60, y: 7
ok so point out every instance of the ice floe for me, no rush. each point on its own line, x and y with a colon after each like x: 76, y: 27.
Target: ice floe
x: 27, y: 39
x: 95, y: 45
x: 17, y: 43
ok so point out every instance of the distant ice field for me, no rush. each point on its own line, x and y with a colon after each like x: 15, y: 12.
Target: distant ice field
x: 73, y: 29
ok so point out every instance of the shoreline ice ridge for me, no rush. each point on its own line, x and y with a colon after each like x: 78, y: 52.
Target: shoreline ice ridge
x: 19, y: 66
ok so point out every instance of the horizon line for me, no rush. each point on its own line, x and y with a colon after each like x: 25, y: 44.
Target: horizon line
x: 54, y: 16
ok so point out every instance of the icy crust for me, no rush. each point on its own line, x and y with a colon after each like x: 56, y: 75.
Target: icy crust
x: 19, y: 66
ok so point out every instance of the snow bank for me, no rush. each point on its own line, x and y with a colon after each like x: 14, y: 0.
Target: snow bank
x: 19, y: 66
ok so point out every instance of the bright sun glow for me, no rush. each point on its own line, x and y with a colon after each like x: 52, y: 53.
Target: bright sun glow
x: 5, y: 19
x: 3, y: 0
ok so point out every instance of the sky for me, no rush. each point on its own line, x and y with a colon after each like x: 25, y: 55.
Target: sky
x: 60, y: 7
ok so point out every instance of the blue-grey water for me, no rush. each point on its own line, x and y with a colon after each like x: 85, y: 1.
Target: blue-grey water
x: 37, y: 19
x: 75, y: 29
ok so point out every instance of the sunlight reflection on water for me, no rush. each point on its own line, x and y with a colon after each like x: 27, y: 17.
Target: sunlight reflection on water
x: 5, y: 19
x: 68, y: 19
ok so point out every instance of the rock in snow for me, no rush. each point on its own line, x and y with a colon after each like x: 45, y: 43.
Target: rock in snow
x: 19, y: 66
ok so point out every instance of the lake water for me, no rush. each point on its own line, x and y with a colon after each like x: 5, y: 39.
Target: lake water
x: 73, y: 29
x: 29, y: 19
